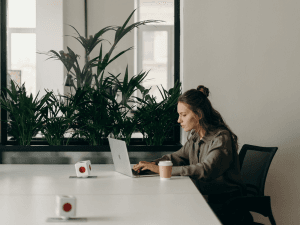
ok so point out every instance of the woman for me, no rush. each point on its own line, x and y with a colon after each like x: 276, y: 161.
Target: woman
x: 210, y: 156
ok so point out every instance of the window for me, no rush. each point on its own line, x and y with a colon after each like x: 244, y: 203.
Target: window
x: 155, y: 45
x: 43, y: 26
x: 158, y: 47
x: 21, y: 42
x: 38, y: 31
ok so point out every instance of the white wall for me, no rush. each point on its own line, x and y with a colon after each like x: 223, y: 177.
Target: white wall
x: 49, y: 33
x: 247, y: 53
x: 99, y: 15
x: 74, y: 16
x: 112, y: 13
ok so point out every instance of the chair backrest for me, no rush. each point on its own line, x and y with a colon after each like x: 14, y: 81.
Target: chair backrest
x: 255, y: 162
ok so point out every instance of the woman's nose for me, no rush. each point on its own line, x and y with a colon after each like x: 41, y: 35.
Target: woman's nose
x: 178, y: 121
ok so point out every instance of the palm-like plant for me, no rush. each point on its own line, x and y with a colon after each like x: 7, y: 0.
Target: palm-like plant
x: 128, y: 87
x: 92, y: 121
x: 25, y: 112
x: 122, y: 125
x: 125, y: 125
x: 156, y: 119
x: 85, y: 77
x: 97, y: 112
x: 57, y: 119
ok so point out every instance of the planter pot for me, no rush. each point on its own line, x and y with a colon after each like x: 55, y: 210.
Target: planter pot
x: 23, y: 160
x: 54, y: 160
x: 38, y: 160
x: 98, y: 160
x: 86, y: 148
x: 97, y: 154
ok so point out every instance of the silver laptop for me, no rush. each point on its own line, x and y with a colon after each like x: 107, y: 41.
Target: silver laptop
x: 121, y: 160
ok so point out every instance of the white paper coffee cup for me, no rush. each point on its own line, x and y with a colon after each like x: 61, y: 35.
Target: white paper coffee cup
x: 165, y: 170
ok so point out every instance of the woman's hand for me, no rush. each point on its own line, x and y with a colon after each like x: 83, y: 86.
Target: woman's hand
x: 143, y: 165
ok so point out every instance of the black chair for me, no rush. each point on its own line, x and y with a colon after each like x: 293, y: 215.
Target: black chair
x: 255, y: 162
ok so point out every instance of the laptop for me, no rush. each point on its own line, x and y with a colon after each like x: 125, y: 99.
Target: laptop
x: 121, y: 160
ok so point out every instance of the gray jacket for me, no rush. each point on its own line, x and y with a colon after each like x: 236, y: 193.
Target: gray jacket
x: 210, y: 162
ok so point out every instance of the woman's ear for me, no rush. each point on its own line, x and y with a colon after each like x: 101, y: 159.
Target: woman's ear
x: 199, y: 115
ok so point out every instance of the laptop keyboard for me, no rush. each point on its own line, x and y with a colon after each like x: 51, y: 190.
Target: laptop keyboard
x: 142, y: 172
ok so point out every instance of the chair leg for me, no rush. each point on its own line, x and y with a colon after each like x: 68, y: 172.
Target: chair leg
x: 271, y: 218
x: 270, y: 214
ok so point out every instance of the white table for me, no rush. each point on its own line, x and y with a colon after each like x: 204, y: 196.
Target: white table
x: 28, y: 197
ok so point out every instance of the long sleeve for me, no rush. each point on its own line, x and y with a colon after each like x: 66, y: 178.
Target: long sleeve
x: 214, y: 163
x: 178, y: 158
x: 205, y: 161
x: 210, y: 163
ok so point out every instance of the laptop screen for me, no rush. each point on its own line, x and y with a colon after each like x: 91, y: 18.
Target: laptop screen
x: 120, y: 156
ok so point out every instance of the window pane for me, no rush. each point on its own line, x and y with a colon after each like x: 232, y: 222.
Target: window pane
x: 155, y: 48
x: 158, y: 10
x: 21, y: 13
x: 155, y: 59
x: 23, y: 58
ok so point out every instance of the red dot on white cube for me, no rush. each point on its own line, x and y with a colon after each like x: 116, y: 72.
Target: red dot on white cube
x: 67, y: 207
x: 90, y: 167
x: 81, y: 169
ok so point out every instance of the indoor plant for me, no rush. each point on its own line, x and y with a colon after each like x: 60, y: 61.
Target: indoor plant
x: 124, y: 125
x: 85, y: 76
x: 156, y: 119
x: 98, y: 113
x: 92, y: 118
x: 25, y: 112
x: 56, y: 119
x: 93, y: 110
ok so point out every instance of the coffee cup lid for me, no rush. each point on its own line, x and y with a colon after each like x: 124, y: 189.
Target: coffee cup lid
x: 165, y: 163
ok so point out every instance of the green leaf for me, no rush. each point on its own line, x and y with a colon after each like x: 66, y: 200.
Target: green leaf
x: 118, y: 55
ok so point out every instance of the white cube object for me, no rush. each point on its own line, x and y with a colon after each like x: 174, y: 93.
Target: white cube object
x: 89, y: 165
x: 83, y: 168
x: 65, y: 206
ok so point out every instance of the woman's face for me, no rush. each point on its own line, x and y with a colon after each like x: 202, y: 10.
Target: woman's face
x: 187, y: 118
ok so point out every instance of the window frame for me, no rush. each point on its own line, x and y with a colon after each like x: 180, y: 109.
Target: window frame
x: 135, y: 141
x: 170, y: 63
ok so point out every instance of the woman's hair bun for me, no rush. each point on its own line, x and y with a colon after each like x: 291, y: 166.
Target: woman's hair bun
x: 203, y: 89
